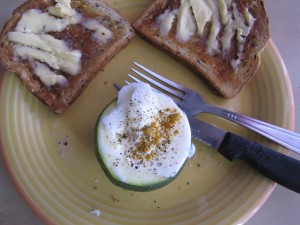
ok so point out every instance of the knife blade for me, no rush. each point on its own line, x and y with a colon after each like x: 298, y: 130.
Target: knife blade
x: 278, y: 167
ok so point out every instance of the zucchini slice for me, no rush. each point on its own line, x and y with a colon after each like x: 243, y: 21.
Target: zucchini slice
x: 142, y: 159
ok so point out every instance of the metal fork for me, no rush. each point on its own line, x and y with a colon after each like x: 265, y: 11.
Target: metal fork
x: 193, y: 103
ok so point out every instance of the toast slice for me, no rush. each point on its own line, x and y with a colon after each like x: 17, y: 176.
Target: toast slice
x: 221, y: 40
x: 58, y: 47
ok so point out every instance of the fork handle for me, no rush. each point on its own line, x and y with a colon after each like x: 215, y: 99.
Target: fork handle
x: 284, y: 137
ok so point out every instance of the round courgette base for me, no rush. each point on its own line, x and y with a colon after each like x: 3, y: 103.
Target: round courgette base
x: 112, y: 177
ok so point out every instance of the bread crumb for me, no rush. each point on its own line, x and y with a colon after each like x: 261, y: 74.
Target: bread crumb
x: 63, y: 144
x: 114, y: 199
x: 95, y: 212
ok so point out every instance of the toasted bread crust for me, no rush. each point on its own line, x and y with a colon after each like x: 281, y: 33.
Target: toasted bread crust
x: 94, y: 55
x: 216, y: 70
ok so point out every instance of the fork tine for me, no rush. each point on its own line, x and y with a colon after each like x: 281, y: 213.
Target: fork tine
x: 134, y: 78
x: 162, y: 78
x: 117, y: 86
x: 163, y: 87
x: 137, y: 80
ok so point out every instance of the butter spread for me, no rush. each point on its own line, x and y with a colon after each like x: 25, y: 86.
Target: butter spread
x: 186, y: 26
x: 52, y: 51
x: 165, y: 20
x: 203, y: 11
x: 223, y: 11
x: 239, y: 35
x: 62, y: 8
x: 101, y: 34
x: 35, y: 21
x: 67, y: 61
x: 228, y: 34
x: 146, y: 133
x: 248, y: 17
x: 193, y: 15
x: 239, y: 24
x: 41, y: 41
x: 236, y: 62
x: 48, y: 77
x: 212, y: 42
x: 243, y: 26
x: 32, y: 41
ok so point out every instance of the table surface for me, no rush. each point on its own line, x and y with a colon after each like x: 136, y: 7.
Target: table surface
x: 283, y: 205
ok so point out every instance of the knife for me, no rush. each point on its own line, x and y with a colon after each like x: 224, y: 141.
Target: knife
x: 278, y: 167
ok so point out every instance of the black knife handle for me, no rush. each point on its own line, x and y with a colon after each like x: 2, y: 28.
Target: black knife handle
x: 278, y: 167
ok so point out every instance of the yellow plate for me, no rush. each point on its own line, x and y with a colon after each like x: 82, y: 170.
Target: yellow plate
x: 52, y: 161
